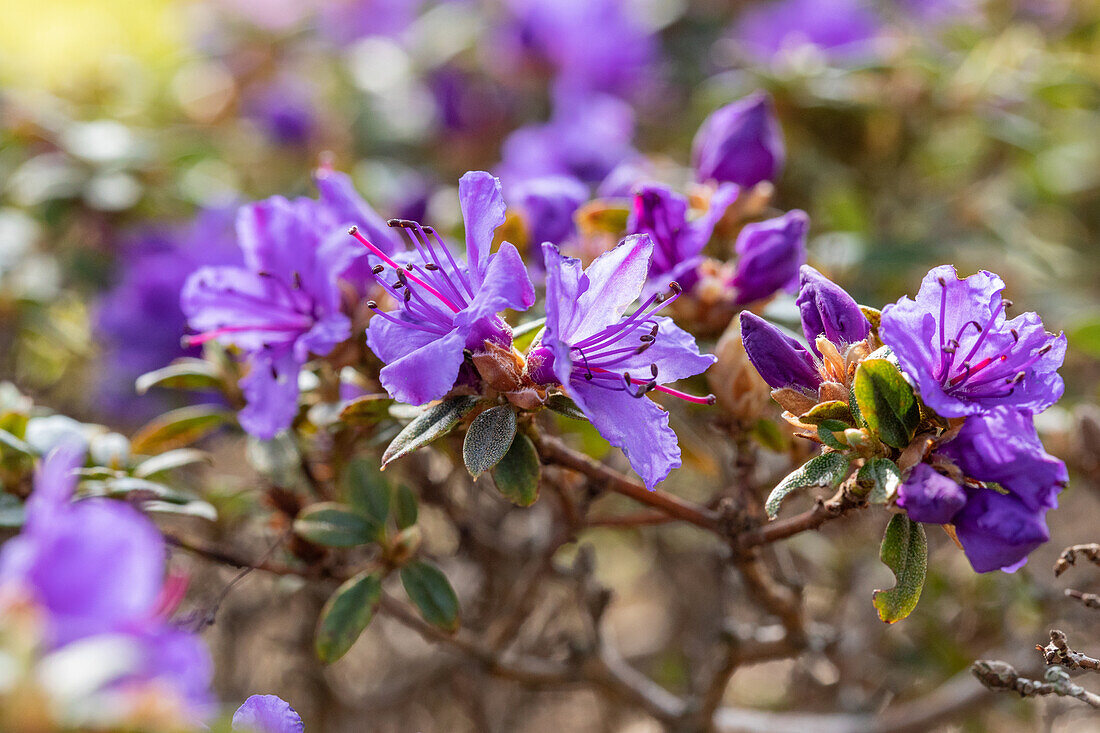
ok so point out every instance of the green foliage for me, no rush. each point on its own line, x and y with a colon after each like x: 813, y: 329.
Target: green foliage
x: 905, y: 551
x: 405, y: 510
x: 187, y: 373
x: 431, y: 593
x: 346, y: 614
x: 886, y: 402
x: 517, y: 474
x: 432, y: 424
x: 878, y: 479
x: 488, y: 439
x: 562, y: 405
x: 180, y: 428
x: 827, y: 469
x: 336, y: 525
x: 368, y: 491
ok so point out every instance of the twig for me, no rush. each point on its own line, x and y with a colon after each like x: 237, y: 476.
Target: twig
x: 226, y: 557
x: 823, y: 511
x: 1090, y: 552
x: 1090, y: 600
x: 1059, y: 652
x: 627, y: 521
x: 1003, y: 676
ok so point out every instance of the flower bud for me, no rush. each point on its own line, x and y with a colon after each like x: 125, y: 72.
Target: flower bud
x: 929, y: 496
x: 769, y: 254
x: 780, y: 360
x: 827, y: 310
x: 733, y: 379
x: 740, y: 143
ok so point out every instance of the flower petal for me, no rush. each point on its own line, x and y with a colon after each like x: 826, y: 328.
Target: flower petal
x: 483, y: 211
x: 674, y: 352
x: 614, y: 280
x: 998, y: 531
x: 271, y: 389
x: 506, y: 286
x: 267, y: 714
x: 427, y: 373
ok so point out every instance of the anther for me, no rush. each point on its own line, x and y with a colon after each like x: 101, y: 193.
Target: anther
x: 675, y: 287
x: 653, y: 369
x: 378, y: 269
x: 373, y: 305
x: 296, y: 279
x: 431, y: 267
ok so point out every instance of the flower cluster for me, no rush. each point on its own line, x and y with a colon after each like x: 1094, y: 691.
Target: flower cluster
x: 975, y: 461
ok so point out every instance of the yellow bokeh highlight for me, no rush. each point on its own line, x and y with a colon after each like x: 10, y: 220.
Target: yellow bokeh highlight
x: 61, y: 44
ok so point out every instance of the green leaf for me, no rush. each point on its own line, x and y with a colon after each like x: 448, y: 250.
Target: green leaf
x: 170, y: 461
x: 517, y: 474
x: 16, y: 444
x: 429, y: 425
x: 405, y: 511
x: 905, y: 551
x: 828, y: 469
x: 202, y: 509
x: 488, y: 439
x: 368, y: 490
x: 430, y: 592
x: 878, y: 479
x: 833, y: 410
x: 886, y: 402
x: 335, y: 525
x: 127, y: 485
x: 768, y: 434
x: 827, y: 430
x: 346, y: 614
x: 524, y: 334
x: 562, y: 405
x: 196, y: 374
x: 366, y: 410
x: 179, y: 428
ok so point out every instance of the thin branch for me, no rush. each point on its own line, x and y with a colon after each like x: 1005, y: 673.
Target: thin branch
x: 628, y: 521
x: 1003, y: 676
x: 1089, y: 600
x: 1090, y: 552
x: 1058, y: 652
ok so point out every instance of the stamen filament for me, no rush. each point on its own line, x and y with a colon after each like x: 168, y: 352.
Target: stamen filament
x: 354, y: 231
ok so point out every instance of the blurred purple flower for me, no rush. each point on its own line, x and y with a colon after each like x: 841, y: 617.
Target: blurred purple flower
x: 592, y: 45
x: 843, y: 30
x: 267, y: 714
x: 548, y: 204
x: 284, y: 304
x: 740, y: 143
x: 608, y: 362
x: 284, y: 109
x: 769, y: 255
x: 346, y: 21
x: 587, y: 137
x: 964, y: 355
x: 446, y: 306
x: 96, y: 567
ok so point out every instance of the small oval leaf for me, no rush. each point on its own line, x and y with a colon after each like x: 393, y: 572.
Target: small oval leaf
x: 179, y: 428
x: 562, y: 405
x: 335, y: 525
x: 429, y: 425
x: 404, y: 510
x: 170, y: 461
x: 517, y: 474
x: 368, y: 491
x: 488, y: 439
x: 886, y: 402
x: 878, y: 480
x: 366, y: 410
x: 828, y: 469
x: 905, y: 551
x: 431, y: 593
x: 346, y: 614
x: 194, y: 374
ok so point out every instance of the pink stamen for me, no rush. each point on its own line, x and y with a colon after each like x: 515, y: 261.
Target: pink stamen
x: 201, y: 338
x: 354, y: 231
x: 955, y: 381
x: 708, y: 400
x: 171, y: 595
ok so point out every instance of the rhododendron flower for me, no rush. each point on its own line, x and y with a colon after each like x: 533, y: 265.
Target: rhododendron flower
x: 267, y: 714
x: 740, y: 143
x: 446, y: 306
x: 608, y: 362
x: 963, y: 354
x: 769, y: 254
x: 841, y: 30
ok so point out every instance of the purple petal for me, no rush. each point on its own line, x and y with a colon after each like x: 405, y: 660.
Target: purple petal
x: 347, y: 207
x: 780, y: 360
x: 929, y: 496
x: 998, y: 531
x: 267, y: 714
x: 674, y: 352
x: 548, y: 204
x: 564, y: 280
x: 426, y: 374
x: 614, y: 280
x: 483, y: 211
x: 637, y: 425
x: 390, y: 341
x: 271, y: 390
x: 740, y: 143
x: 506, y: 286
x: 55, y: 481
x: 827, y: 310
x: 217, y: 297
x: 769, y: 254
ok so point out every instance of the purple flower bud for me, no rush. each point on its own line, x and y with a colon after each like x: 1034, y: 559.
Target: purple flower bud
x: 740, y: 143
x: 548, y: 204
x: 781, y: 361
x: 769, y: 254
x: 929, y: 496
x: 827, y: 310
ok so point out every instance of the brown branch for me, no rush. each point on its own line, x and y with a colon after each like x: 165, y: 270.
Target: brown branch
x: 1090, y: 600
x: 1059, y: 652
x: 627, y: 521
x: 1003, y: 676
x: 1090, y: 552
x: 227, y: 557
x: 553, y: 450
x: 823, y: 510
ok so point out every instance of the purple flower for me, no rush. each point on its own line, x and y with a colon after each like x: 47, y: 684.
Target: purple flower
x: 346, y: 21
x: 548, y: 204
x: 929, y: 496
x: 964, y: 355
x: 843, y: 30
x: 139, y: 322
x: 96, y: 567
x: 827, y: 310
x: 594, y: 45
x: 284, y: 304
x: 740, y: 143
x: 769, y: 254
x: 446, y: 306
x: 998, y: 531
x: 678, y: 242
x: 606, y: 361
x: 780, y: 359
x: 267, y: 714
x: 587, y: 136
x: 284, y: 109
